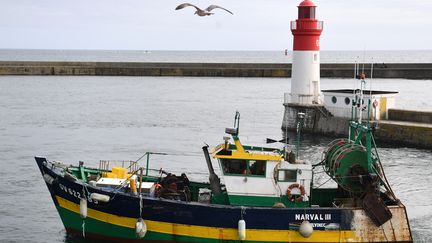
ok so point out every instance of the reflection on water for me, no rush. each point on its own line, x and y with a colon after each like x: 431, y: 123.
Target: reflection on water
x: 92, y: 118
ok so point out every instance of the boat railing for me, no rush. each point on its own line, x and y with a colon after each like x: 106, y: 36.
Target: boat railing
x: 107, y: 165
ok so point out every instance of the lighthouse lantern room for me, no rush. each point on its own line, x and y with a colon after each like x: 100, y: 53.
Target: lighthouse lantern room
x: 305, y: 78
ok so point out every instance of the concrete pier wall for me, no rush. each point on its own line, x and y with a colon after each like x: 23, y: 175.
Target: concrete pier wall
x: 410, y: 116
x: 317, y: 120
x: 408, y: 70
x: 405, y: 133
x: 406, y: 128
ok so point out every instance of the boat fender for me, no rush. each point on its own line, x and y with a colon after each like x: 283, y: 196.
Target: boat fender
x: 83, y: 208
x: 133, y: 186
x: 92, y: 183
x: 291, y: 196
x: 242, y: 229
x: 306, y: 229
x: 48, y: 179
x: 140, y: 228
x: 278, y: 205
x: 100, y: 197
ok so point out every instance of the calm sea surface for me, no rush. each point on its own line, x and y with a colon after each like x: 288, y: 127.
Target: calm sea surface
x: 71, y: 118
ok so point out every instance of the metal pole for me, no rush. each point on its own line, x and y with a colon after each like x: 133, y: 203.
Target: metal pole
x: 141, y: 176
x: 298, y: 139
x: 147, y: 164
x: 300, y: 117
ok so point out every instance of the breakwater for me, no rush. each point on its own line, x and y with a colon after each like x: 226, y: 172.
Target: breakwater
x: 404, y: 127
x: 380, y: 70
x: 407, y: 127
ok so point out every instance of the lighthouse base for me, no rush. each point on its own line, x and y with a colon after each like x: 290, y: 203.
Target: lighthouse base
x: 317, y: 120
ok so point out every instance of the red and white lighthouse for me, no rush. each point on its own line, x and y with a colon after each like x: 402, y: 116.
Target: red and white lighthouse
x: 305, y: 77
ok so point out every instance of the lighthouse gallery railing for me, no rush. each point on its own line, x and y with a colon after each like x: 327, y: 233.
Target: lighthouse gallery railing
x: 307, y: 25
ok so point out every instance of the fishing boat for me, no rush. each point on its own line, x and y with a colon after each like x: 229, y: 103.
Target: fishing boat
x: 267, y: 195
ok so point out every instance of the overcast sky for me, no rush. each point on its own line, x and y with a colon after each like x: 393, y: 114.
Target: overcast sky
x: 255, y: 25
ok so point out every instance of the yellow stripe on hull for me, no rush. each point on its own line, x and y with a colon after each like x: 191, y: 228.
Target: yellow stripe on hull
x: 213, y: 232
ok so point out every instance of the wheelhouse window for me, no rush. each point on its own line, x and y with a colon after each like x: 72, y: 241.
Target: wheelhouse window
x: 257, y: 167
x: 243, y: 167
x: 234, y: 166
x: 287, y: 175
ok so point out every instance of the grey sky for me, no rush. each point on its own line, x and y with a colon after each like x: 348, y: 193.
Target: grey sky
x: 255, y: 25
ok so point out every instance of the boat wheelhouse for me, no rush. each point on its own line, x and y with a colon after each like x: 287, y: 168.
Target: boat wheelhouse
x: 260, y: 176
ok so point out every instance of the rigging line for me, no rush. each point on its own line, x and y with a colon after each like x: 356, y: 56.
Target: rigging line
x: 319, y: 172
x: 275, y: 184
x: 140, y: 205
x: 382, y: 169
x: 324, y: 183
x: 179, y: 154
x: 320, y: 163
x: 141, y: 157
x: 83, y: 228
x: 148, y: 154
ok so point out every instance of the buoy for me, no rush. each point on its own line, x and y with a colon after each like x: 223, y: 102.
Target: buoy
x: 48, y: 179
x: 140, y: 228
x: 278, y: 205
x: 306, y: 229
x: 100, y: 197
x: 291, y: 196
x: 242, y: 229
x: 83, y: 208
x: 133, y: 187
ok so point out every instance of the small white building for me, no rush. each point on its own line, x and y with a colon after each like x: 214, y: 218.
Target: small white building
x: 339, y: 102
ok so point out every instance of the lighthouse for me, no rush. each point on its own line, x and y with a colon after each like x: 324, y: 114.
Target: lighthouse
x: 305, y: 96
x: 308, y: 109
x: 305, y: 77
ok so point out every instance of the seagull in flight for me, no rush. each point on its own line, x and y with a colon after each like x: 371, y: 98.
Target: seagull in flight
x: 201, y: 12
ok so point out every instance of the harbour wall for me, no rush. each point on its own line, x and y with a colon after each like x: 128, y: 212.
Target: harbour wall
x: 380, y: 70
x: 406, y: 127
x: 410, y: 116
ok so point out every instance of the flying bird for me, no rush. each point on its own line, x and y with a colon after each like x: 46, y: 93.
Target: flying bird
x: 201, y: 12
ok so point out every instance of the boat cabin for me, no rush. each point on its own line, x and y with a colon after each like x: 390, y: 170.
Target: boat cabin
x: 260, y: 176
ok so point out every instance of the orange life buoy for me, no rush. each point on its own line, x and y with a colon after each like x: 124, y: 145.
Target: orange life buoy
x: 291, y: 197
x: 157, y: 187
